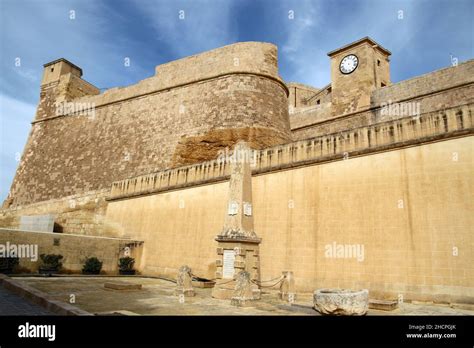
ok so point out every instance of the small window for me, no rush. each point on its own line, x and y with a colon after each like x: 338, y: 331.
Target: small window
x: 318, y: 102
x: 52, y: 69
x: 378, y: 62
x: 382, y: 84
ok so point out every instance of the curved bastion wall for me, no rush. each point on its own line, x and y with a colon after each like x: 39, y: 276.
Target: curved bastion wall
x: 188, y: 112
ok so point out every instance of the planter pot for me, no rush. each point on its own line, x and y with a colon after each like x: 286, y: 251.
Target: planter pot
x: 127, y: 272
x: 341, y: 301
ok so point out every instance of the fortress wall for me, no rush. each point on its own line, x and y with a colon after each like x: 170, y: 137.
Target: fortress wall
x: 132, y: 135
x: 299, y: 95
x: 66, y: 89
x: 309, y: 116
x: 408, y: 208
x: 253, y: 58
x: 425, y: 84
x: 427, y: 90
x: 379, y: 137
x: 84, y: 213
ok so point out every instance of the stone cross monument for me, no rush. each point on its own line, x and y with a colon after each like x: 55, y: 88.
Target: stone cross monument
x: 237, y: 248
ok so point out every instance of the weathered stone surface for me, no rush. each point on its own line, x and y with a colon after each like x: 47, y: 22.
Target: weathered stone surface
x: 341, y: 301
x: 243, y: 293
x: 195, y: 149
x: 184, y: 283
x: 383, y: 305
x: 287, y: 287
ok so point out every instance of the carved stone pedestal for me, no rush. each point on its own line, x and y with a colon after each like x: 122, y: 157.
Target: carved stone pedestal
x: 234, y: 256
x: 244, y: 290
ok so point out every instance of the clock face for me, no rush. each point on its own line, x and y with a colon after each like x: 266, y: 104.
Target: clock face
x: 348, y: 64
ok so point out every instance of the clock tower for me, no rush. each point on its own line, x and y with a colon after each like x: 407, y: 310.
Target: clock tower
x: 357, y: 69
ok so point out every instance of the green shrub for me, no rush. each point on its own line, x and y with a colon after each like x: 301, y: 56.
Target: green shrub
x: 92, y: 266
x: 51, y: 261
x: 8, y: 264
x: 126, y: 263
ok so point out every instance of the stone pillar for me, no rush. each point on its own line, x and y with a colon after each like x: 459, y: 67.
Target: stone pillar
x: 184, y: 282
x: 287, y: 287
x: 237, y: 244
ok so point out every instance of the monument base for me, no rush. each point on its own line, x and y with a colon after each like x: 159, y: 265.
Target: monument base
x: 233, y: 256
x: 224, y: 290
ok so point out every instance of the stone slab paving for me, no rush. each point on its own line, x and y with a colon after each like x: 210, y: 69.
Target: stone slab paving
x: 11, y: 304
x: 157, y: 298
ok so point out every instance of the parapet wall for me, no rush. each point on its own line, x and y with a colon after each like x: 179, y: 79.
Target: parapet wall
x: 425, y: 84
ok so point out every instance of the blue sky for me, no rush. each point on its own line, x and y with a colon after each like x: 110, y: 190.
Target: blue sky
x: 150, y: 32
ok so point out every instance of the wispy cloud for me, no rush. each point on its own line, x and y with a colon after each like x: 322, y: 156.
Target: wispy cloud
x: 28, y: 74
x: 189, y: 27
x: 301, y: 22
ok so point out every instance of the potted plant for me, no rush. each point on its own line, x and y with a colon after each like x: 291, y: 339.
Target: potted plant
x: 51, y: 263
x: 126, y: 265
x: 8, y: 264
x: 92, y: 266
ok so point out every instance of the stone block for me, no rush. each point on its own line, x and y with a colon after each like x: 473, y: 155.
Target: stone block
x: 383, y: 305
x: 122, y: 286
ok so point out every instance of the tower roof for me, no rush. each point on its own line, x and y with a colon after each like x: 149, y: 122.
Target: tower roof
x: 355, y: 43
x: 65, y: 61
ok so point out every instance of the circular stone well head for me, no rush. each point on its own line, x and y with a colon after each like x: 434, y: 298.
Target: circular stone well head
x: 341, y: 301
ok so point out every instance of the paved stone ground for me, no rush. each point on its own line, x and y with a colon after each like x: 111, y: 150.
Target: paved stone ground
x: 157, y: 298
x: 11, y: 304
